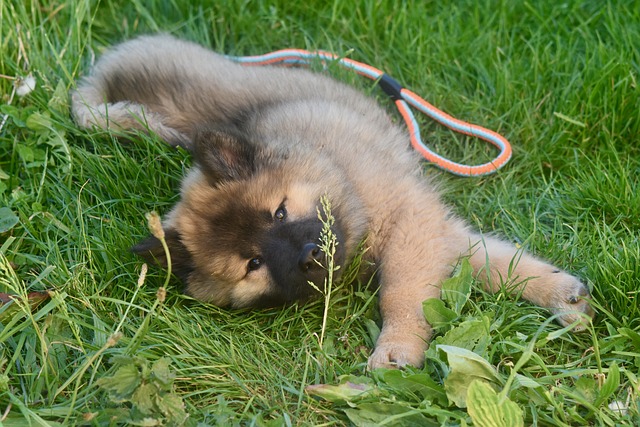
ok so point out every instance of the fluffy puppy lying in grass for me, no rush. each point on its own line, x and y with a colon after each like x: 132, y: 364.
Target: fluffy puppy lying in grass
x: 268, y: 143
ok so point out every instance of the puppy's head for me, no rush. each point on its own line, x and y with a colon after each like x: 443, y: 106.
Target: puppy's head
x: 246, y: 231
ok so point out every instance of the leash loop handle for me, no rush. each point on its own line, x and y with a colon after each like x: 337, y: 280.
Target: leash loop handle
x: 404, y: 100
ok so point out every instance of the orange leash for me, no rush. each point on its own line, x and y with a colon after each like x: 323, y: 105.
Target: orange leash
x: 404, y: 100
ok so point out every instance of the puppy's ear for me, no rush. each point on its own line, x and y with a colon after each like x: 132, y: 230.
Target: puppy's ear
x: 151, y: 250
x: 224, y: 154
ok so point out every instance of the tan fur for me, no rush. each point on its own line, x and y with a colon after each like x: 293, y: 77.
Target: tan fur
x: 315, y: 137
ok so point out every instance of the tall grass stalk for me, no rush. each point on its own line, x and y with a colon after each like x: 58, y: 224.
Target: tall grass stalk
x: 328, y: 243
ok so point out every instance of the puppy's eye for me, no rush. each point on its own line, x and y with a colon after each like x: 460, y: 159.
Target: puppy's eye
x: 281, y: 214
x: 255, y: 263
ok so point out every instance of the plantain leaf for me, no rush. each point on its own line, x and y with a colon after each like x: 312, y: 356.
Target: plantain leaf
x: 610, y: 385
x: 39, y: 122
x: 488, y: 409
x: 587, y: 388
x: 465, y: 367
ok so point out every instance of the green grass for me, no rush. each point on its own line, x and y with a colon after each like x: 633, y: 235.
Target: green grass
x: 560, y: 80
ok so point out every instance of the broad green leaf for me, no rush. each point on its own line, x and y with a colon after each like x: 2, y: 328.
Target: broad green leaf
x: 123, y: 383
x: 350, y: 389
x: 121, y: 359
x: 456, y: 289
x: 419, y: 384
x: 39, y: 122
x: 488, y: 409
x: 387, y: 414
x: 587, y: 388
x: 26, y: 153
x: 162, y: 374
x: 465, y: 366
x: 610, y: 385
x: 59, y: 101
x: 145, y: 422
x: 3, y: 174
x: 172, y: 406
x: 372, y: 329
x: 471, y: 334
x: 15, y: 113
x: 57, y: 139
x: 526, y: 382
x: 143, y: 398
x: 8, y: 219
x: 437, y: 313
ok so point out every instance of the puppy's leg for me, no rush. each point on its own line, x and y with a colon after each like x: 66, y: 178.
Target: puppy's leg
x: 538, y: 281
x: 420, y: 250
x: 414, y: 263
x: 90, y: 110
x: 405, y: 333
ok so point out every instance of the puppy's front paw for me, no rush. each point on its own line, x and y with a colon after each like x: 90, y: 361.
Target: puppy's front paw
x: 571, y: 300
x: 397, y: 352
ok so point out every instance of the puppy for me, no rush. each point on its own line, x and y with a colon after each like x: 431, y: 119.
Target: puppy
x: 268, y: 143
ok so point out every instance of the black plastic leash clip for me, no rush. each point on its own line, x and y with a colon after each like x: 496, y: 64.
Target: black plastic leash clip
x: 391, y: 87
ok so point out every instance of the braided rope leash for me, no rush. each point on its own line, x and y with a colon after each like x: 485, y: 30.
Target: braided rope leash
x: 404, y: 100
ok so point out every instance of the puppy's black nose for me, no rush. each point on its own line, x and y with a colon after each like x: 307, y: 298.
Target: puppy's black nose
x: 309, y: 257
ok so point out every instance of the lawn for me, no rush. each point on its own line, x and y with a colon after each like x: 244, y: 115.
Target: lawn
x: 90, y: 339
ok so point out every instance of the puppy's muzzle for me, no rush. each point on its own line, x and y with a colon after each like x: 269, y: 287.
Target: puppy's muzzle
x: 310, y: 258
